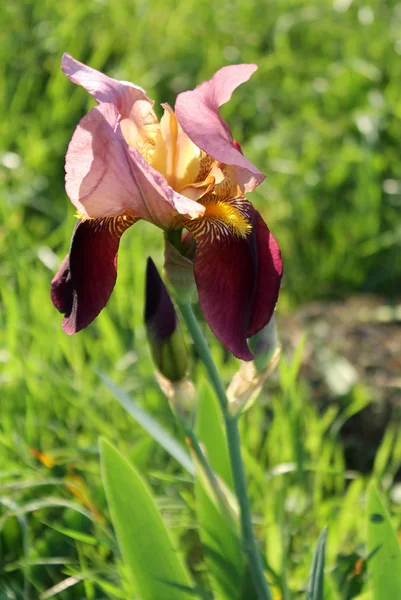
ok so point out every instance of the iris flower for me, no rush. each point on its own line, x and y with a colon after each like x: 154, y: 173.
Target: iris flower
x: 184, y: 172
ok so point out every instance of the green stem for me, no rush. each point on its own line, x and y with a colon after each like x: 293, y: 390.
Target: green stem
x: 255, y: 564
x: 174, y: 237
x: 254, y: 559
x: 204, y: 353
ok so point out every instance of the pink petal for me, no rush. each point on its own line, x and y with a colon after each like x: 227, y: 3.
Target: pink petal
x: 138, y: 120
x: 238, y: 281
x: 105, y: 177
x: 104, y: 89
x: 86, y: 277
x: 198, y: 114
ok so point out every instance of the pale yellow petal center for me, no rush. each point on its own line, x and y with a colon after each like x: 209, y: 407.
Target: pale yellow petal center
x: 166, y: 147
x: 182, y: 157
x: 187, y: 169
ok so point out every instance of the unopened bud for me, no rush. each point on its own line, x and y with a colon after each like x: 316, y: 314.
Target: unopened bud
x: 163, y: 330
x: 247, y: 383
x: 264, y: 344
x: 181, y: 396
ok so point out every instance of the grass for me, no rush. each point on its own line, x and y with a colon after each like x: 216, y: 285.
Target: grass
x: 322, y: 118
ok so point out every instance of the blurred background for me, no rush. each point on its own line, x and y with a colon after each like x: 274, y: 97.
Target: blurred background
x: 322, y: 117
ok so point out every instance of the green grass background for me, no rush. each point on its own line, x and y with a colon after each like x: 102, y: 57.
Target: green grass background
x: 322, y: 117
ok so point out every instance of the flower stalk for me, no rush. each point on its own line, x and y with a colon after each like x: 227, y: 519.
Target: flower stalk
x: 255, y: 564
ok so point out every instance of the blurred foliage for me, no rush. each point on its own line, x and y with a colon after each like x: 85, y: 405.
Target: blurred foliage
x: 322, y: 117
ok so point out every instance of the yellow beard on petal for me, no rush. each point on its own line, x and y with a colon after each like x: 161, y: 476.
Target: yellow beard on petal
x: 230, y: 216
x: 221, y: 219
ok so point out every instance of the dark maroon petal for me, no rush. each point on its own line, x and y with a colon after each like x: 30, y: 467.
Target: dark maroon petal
x: 86, y: 278
x: 224, y: 278
x: 61, y: 289
x: 238, y: 281
x: 269, y: 270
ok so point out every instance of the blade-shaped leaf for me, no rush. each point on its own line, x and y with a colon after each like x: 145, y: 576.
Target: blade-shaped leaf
x: 384, y: 565
x: 316, y: 576
x: 159, y: 434
x: 145, y: 543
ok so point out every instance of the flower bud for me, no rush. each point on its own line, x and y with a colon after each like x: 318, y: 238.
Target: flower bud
x: 247, y: 383
x: 264, y: 345
x: 181, y: 396
x: 165, y: 338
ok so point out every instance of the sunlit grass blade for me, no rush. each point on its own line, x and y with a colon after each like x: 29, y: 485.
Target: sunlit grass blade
x: 315, y: 590
x: 384, y: 565
x: 61, y: 587
x: 159, y: 434
x: 146, y: 546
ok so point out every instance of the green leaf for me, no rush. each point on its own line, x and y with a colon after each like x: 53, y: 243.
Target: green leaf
x: 147, y: 549
x: 316, y: 576
x: 221, y: 542
x: 384, y: 565
x: 159, y: 434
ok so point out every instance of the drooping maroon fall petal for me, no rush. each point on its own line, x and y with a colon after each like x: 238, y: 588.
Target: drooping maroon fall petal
x: 238, y: 281
x: 269, y: 270
x: 199, y: 116
x: 61, y: 288
x: 86, y: 277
